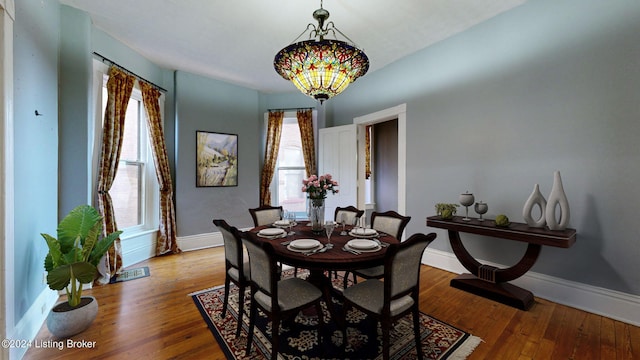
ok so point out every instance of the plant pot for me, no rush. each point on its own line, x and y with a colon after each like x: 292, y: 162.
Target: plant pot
x: 65, y: 321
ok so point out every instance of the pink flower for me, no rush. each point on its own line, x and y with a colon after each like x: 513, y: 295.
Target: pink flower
x: 317, y: 187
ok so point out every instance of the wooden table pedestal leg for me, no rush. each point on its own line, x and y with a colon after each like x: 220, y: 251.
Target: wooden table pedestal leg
x: 490, y: 282
x: 323, y: 282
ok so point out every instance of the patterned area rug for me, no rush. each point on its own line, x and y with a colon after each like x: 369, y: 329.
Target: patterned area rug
x: 301, y: 338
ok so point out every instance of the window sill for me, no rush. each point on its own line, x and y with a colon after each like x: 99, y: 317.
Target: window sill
x: 137, y: 233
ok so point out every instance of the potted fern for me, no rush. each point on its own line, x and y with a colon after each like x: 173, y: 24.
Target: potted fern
x: 72, y: 262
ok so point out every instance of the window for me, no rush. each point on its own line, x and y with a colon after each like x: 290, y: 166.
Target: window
x: 135, y: 188
x: 290, y: 171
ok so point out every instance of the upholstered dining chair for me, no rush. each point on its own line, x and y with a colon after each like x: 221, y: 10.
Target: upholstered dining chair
x: 398, y: 293
x: 351, y: 213
x: 389, y: 222
x: 278, y: 298
x: 265, y: 214
x: 237, y: 269
x: 351, y: 216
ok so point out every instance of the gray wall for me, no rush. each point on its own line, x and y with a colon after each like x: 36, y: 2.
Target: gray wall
x: 36, y: 42
x: 75, y: 80
x: 551, y: 85
x: 210, y: 105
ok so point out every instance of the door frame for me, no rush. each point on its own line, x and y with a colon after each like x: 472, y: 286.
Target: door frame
x: 397, y: 112
x: 7, y: 17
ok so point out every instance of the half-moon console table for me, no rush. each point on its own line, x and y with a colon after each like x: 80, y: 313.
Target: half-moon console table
x: 489, y: 281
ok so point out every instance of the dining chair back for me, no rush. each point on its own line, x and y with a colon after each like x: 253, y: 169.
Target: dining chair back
x: 389, y: 222
x: 351, y: 214
x: 265, y: 215
x: 237, y: 269
x: 398, y: 293
x: 277, y: 298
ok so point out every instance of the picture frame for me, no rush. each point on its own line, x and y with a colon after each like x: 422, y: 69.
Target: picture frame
x: 216, y: 159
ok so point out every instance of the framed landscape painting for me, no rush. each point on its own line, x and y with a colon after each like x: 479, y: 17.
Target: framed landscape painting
x: 216, y: 159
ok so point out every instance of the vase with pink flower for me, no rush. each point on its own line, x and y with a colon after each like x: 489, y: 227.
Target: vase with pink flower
x: 317, y: 188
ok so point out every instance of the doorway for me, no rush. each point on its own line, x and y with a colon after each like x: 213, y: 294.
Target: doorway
x: 384, y: 159
x: 396, y: 115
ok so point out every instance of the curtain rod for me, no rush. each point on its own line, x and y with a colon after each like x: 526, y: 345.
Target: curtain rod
x: 289, y: 109
x: 129, y: 71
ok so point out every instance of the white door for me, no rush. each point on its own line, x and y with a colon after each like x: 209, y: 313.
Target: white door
x: 338, y: 156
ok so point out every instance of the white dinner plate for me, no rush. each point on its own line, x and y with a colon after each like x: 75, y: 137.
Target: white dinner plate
x: 271, y: 232
x: 362, y: 244
x: 363, y: 232
x: 283, y: 224
x: 291, y: 248
x: 362, y: 250
x: 304, y: 244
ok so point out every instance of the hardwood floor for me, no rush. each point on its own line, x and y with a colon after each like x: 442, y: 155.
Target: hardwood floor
x: 154, y: 318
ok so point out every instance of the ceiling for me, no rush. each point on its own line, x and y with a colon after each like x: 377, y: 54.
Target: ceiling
x: 235, y: 41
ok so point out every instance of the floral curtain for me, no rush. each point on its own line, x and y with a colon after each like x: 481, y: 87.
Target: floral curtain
x: 119, y: 87
x: 305, y: 122
x: 167, y: 242
x: 274, y: 131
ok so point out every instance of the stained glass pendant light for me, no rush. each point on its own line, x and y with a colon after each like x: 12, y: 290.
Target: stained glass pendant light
x: 321, y: 68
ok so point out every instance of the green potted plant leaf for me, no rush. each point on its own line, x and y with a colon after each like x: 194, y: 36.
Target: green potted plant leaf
x: 446, y: 211
x: 72, y: 262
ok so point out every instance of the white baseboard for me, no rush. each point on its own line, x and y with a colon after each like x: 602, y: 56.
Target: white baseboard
x: 29, y: 325
x: 200, y: 241
x: 609, y: 303
x: 138, y: 248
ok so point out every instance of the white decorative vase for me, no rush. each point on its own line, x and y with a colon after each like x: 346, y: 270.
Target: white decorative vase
x: 64, y: 321
x: 557, y: 211
x: 534, y: 199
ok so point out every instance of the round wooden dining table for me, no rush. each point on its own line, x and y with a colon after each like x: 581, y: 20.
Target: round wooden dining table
x: 335, y: 259
x: 321, y: 264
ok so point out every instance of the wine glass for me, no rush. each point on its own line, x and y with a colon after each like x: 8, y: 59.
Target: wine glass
x: 292, y: 220
x: 328, y: 228
x: 466, y: 200
x: 343, y: 220
x: 481, y: 208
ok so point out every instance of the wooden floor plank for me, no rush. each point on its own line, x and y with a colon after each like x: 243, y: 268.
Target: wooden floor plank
x: 626, y: 341
x: 588, y: 346
x: 155, y: 318
x: 607, y: 339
